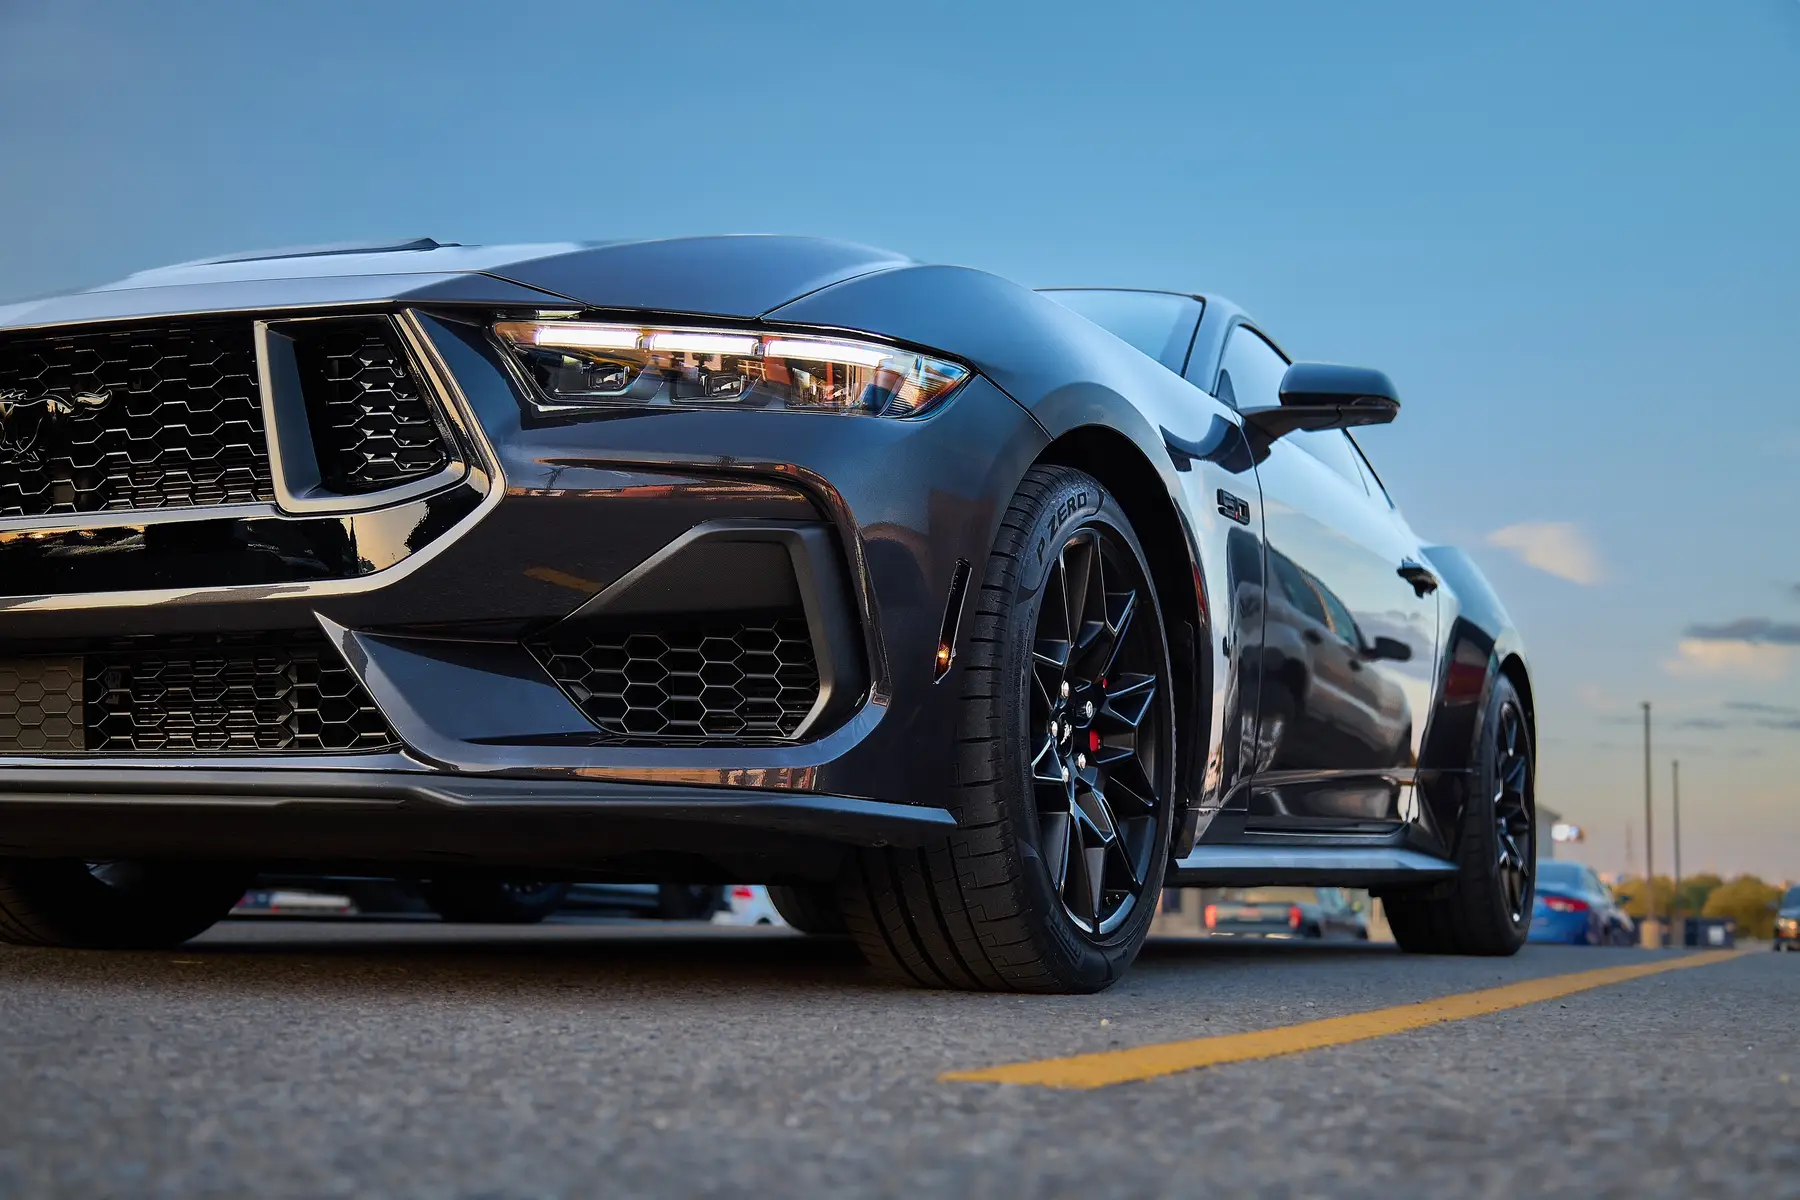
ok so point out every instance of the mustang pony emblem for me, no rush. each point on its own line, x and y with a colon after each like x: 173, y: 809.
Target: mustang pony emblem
x: 24, y: 420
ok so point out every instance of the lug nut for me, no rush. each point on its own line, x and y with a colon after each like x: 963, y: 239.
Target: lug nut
x: 1065, y: 689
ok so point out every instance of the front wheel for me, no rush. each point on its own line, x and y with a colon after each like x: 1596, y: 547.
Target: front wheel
x: 1063, y: 774
x: 1486, y: 907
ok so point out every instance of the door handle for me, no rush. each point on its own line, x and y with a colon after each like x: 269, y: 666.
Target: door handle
x: 1419, y: 575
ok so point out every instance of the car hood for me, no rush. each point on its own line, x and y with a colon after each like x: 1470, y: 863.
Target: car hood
x: 738, y: 276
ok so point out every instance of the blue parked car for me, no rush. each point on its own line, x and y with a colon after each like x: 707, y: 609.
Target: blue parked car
x: 1575, y: 909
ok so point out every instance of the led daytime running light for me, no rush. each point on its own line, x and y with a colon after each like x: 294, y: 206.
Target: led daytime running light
x: 581, y: 362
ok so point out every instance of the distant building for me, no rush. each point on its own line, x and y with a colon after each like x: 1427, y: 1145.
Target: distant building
x: 1546, y: 820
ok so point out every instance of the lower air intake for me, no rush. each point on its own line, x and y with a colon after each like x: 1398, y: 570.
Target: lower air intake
x: 678, y: 680
x: 235, y: 694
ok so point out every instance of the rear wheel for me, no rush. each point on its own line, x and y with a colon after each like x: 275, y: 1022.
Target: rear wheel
x: 113, y: 905
x: 813, y: 909
x: 1486, y: 907
x: 494, y: 901
x: 1064, y: 768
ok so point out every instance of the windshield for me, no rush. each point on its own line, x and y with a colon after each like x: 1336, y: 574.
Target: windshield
x: 1161, y: 324
x: 1567, y: 875
x: 1792, y: 899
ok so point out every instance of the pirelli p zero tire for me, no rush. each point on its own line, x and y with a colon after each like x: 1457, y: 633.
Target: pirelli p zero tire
x: 812, y: 909
x: 1063, y: 768
x: 1486, y: 907
x: 492, y: 901
x: 115, y: 905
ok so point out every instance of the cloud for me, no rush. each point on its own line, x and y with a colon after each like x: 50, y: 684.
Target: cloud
x: 1750, y: 647
x: 1746, y: 659
x: 1757, y: 706
x: 1748, y: 629
x: 1557, y: 548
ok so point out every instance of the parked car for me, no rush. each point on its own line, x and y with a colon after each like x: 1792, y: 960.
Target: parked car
x: 1573, y: 907
x: 1787, y: 921
x: 974, y: 615
x: 481, y: 901
x: 1288, y: 912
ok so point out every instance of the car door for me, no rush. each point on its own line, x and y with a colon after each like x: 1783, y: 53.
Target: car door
x: 1350, y: 627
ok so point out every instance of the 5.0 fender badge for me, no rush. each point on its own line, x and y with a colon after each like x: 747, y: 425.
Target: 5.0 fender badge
x: 25, y: 421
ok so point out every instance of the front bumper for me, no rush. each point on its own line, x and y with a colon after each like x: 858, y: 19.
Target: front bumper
x: 446, y: 591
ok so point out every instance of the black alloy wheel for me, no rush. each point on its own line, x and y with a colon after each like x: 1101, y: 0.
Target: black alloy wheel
x: 1486, y: 907
x: 1062, y: 771
x: 1515, y: 855
x: 1096, y: 672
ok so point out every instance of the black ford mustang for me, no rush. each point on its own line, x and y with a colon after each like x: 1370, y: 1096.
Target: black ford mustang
x: 967, y: 617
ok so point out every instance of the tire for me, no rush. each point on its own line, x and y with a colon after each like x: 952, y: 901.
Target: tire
x: 812, y: 910
x: 1485, y: 908
x: 493, y: 901
x: 113, y: 906
x: 1006, y: 903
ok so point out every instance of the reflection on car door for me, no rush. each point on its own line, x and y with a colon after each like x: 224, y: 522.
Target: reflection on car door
x: 1348, y: 644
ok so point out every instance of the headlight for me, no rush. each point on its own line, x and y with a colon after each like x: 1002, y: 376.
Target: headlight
x: 1788, y: 924
x: 584, y: 363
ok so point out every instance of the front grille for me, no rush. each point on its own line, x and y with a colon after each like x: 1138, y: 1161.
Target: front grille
x: 284, y: 693
x: 681, y: 680
x: 372, y: 426
x: 131, y: 420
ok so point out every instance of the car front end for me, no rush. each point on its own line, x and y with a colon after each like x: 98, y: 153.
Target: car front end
x: 449, y: 570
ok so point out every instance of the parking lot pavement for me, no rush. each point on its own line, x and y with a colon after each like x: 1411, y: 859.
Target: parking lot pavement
x: 318, y: 1058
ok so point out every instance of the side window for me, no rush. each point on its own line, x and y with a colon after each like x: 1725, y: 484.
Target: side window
x: 1250, y: 373
x: 1250, y: 377
x: 1332, y: 447
x: 1370, y: 479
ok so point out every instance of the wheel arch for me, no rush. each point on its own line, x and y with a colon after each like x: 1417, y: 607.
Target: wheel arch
x: 1135, y: 482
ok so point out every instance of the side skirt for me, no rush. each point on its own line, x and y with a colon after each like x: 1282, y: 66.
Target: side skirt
x: 1252, y: 866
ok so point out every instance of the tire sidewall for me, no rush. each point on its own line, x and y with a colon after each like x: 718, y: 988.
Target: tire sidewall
x: 1077, y: 503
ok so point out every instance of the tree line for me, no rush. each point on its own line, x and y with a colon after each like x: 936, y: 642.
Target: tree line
x: 1746, y: 899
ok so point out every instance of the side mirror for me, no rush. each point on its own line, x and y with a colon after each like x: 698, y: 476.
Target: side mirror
x: 1326, y: 396
x: 1388, y: 648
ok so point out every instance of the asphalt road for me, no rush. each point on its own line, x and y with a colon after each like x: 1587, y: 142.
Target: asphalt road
x: 320, y: 1059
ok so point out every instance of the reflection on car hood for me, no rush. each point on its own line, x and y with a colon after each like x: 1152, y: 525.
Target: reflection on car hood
x: 741, y: 276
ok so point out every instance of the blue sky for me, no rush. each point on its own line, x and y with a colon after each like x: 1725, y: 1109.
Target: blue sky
x: 1569, y: 232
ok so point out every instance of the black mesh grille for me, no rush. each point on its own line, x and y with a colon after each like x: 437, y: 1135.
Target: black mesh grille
x: 130, y: 419
x: 711, y: 679
x: 261, y: 694
x: 372, y: 426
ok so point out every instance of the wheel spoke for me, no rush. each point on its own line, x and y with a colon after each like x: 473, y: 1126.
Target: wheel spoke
x: 1120, y: 608
x: 1047, y: 766
x: 1053, y: 844
x: 1128, y: 700
x: 1128, y: 787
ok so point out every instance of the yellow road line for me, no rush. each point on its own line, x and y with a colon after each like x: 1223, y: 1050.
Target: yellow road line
x: 1108, y: 1067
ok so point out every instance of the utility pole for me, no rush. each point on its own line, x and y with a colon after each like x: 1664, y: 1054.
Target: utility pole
x: 1675, y: 902
x: 1649, y: 845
